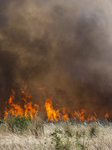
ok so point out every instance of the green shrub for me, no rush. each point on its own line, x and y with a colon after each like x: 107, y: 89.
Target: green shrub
x: 80, y: 141
x: 59, y: 144
x: 19, y: 123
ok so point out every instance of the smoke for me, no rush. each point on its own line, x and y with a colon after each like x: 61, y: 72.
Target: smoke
x: 65, y: 46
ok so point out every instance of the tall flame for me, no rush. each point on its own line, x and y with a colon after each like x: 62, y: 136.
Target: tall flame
x: 52, y: 114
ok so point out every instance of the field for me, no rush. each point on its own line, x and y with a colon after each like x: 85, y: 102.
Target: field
x: 19, y: 133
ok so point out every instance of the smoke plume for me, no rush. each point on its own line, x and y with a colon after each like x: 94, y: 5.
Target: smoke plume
x: 65, y: 46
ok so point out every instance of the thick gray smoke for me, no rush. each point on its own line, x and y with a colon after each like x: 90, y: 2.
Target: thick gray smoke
x: 65, y: 46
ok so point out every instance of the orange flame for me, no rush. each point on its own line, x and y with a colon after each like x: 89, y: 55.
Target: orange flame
x: 53, y: 115
x: 65, y: 115
x: 106, y: 115
x: 16, y: 109
x: 91, y: 118
x: 79, y: 115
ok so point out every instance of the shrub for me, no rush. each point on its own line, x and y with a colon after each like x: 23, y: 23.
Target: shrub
x: 59, y: 144
x: 80, y: 142
x: 21, y: 122
x: 17, y: 122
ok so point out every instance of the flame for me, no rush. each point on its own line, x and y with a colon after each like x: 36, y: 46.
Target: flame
x: 79, y: 115
x: 32, y: 110
x: 16, y: 109
x: 91, y: 118
x: 106, y: 115
x: 53, y: 115
x: 65, y: 115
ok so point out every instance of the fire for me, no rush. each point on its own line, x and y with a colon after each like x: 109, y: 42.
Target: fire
x: 106, y: 115
x: 55, y: 115
x: 91, y: 118
x: 79, y: 115
x: 65, y: 115
x: 52, y: 114
x: 16, y: 109
x: 32, y: 110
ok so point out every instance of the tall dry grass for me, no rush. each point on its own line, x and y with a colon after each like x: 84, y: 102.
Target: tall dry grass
x: 65, y: 135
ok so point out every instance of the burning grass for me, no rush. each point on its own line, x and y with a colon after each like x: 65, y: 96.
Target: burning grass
x: 26, y: 128
x: 31, y: 110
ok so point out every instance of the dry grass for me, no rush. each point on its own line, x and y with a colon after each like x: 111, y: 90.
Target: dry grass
x: 67, y: 137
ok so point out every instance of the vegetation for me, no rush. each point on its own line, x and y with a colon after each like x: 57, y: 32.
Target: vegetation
x: 20, y: 132
x: 17, y: 123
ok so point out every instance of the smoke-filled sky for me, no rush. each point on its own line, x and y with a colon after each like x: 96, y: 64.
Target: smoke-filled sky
x: 65, y: 46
